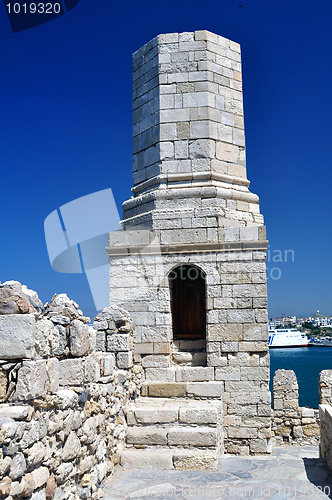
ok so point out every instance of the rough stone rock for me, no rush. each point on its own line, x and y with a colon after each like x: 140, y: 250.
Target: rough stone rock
x: 16, y: 488
x: 9, y: 429
x: 90, y: 430
x: 60, y: 320
x: 47, y: 338
x: 5, y: 485
x: 17, y: 333
x: 63, y: 471
x: 3, y: 384
x: 78, y: 338
x: 35, y: 454
x: 29, y: 485
x: 65, y: 399
x: 71, y: 448
x: 100, y: 341
x: 18, y: 466
x: 61, y: 305
x: 18, y: 299
x: 5, y: 464
x: 86, y: 464
x: 119, y: 316
x: 72, y: 422
x: 311, y: 430
x: 50, y: 487
x: 64, y: 491
x: 15, y: 412
x: 38, y: 495
x: 30, y: 435
x: 62, y: 348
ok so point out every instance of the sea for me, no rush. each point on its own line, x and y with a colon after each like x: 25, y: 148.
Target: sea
x: 307, y: 363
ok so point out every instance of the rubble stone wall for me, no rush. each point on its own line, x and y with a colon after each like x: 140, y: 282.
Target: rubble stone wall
x: 64, y: 385
x: 290, y: 422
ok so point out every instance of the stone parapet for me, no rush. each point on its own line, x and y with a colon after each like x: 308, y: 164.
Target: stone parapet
x: 292, y: 424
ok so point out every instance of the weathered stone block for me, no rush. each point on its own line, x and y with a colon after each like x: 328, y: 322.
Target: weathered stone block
x: 52, y: 365
x: 192, y: 436
x: 71, y: 372
x: 166, y: 390
x: 204, y: 389
x: 158, y: 374
x: 32, y: 380
x: 147, y: 459
x: 147, y: 436
x: 191, y: 459
x: 106, y: 364
x: 156, y: 416
x: 78, y: 338
x: 194, y: 374
x: 227, y: 373
x: 119, y: 342
x: 156, y: 361
x: 17, y: 333
x: 144, y: 348
x: 124, y: 360
x: 100, y: 341
x: 198, y: 416
x: 255, y: 373
x: 242, y: 432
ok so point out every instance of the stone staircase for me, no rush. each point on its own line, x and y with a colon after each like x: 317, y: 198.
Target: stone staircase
x: 168, y: 428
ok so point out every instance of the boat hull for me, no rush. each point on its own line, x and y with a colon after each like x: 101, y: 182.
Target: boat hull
x: 287, y: 338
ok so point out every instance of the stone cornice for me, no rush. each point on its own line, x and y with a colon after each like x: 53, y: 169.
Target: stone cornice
x: 203, y: 190
x: 191, y: 248
x: 190, y: 177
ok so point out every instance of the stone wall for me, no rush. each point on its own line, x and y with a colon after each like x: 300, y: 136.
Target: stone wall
x: 325, y: 445
x: 325, y: 415
x: 64, y: 386
x: 291, y: 423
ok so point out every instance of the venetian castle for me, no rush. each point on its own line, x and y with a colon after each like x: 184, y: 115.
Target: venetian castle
x: 175, y: 373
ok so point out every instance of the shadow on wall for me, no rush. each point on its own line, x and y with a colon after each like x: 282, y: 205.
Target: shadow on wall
x: 319, y: 475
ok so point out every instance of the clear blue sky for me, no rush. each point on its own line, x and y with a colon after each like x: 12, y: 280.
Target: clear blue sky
x: 65, y: 112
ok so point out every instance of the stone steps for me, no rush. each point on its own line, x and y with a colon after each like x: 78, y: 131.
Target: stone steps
x: 173, y: 433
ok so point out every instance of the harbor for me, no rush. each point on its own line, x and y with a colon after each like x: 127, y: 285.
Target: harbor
x: 307, y: 363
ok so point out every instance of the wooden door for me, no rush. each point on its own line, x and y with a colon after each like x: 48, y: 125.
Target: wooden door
x: 187, y: 285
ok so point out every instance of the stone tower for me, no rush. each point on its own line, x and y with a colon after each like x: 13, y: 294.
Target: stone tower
x: 189, y: 260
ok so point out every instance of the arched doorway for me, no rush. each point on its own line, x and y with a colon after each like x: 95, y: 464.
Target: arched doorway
x: 188, y: 302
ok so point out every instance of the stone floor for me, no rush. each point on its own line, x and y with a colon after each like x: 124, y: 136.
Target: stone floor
x: 290, y: 472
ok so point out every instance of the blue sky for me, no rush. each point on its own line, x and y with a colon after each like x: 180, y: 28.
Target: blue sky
x: 65, y: 114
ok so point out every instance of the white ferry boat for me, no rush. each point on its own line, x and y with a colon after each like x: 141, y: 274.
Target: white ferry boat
x: 287, y: 337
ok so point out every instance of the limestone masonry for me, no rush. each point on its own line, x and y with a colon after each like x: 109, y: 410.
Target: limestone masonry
x: 64, y: 386
x: 189, y: 261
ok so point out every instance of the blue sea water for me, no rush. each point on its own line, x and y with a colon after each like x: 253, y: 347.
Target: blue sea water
x: 307, y: 363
